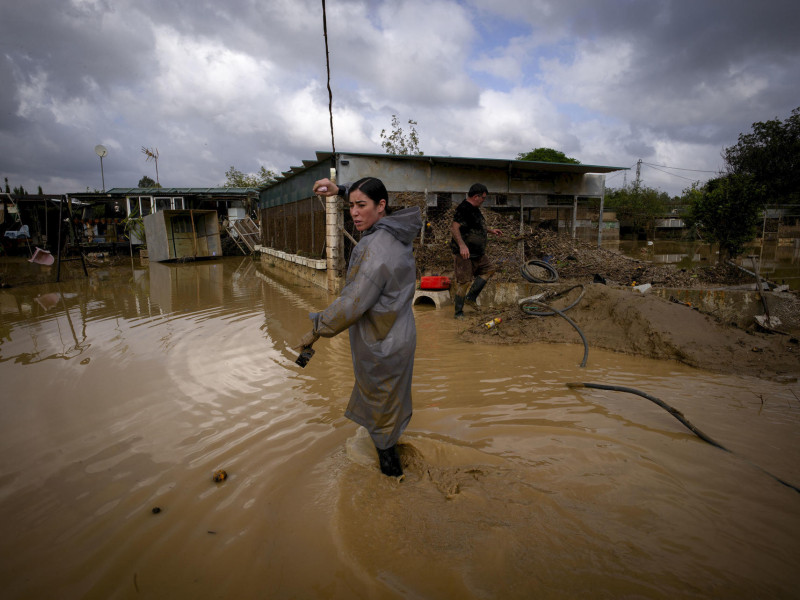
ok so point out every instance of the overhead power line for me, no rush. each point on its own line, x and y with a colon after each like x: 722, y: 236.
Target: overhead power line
x: 674, y: 174
x: 677, y: 168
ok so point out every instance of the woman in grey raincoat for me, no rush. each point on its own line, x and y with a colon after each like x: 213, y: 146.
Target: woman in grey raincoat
x: 375, y: 305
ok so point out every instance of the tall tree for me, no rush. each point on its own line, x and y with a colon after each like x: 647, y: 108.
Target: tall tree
x: 236, y: 178
x: 547, y: 155
x: 762, y: 167
x: 726, y: 210
x: 398, y: 142
x: 770, y: 157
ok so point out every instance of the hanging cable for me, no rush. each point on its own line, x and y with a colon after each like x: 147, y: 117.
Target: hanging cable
x: 678, y: 168
x: 328, y: 67
x: 668, y: 173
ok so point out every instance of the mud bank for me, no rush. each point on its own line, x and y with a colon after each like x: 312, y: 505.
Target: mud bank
x: 621, y: 320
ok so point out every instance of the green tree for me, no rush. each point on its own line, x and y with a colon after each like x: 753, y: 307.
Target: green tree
x: 398, y: 142
x: 770, y: 157
x: 638, y: 207
x: 762, y: 167
x: 547, y: 155
x: 726, y: 211
x: 147, y: 182
x: 237, y: 178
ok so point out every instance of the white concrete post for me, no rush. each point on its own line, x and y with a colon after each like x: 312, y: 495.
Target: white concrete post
x: 574, y: 215
x: 334, y: 240
x: 600, y: 217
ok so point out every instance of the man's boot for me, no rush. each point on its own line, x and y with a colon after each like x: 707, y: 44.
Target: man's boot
x: 474, y: 292
x: 458, y: 301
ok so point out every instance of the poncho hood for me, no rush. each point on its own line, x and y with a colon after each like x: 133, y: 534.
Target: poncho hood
x: 403, y: 224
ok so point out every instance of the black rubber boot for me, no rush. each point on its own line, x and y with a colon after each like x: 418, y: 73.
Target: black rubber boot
x: 390, y: 462
x: 474, y: 291
x: 458, y: 301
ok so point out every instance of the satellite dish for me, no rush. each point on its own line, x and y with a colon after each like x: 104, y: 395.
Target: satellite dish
x: 100, y: 150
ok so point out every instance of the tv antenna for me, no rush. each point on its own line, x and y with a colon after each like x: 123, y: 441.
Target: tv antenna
x: 101, y: 151
x: 152, y: 153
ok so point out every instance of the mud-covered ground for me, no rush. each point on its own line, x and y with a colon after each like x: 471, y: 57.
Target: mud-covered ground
x: 613, y: 316
x: 622, y: 320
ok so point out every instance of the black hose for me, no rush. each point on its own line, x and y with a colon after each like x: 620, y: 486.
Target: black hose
x: 578, y: 329
x: 673, y: 411
x: 554, y: 311
x: 678, y: 415
x: 530, y: 305
x: 552, y: 273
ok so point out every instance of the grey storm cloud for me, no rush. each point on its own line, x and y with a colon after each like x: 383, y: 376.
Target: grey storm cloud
x: 243, y: 82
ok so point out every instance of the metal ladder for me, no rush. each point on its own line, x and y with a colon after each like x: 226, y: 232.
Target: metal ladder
x: 244, y: 232
x: 62, y: 247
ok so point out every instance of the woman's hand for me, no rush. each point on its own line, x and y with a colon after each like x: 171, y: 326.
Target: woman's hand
x: 325, y: 187
x: 306, y: 341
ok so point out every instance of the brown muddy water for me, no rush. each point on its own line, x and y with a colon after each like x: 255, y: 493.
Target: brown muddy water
x: 127, y: 391
x: 776, y: 262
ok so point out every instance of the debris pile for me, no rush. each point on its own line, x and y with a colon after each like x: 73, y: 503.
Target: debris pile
x: 572, y: 258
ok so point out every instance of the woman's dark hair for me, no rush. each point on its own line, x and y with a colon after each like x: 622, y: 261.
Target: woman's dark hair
x: 372, y: 188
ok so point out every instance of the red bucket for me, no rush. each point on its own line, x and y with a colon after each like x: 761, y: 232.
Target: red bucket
x: 434, y: 282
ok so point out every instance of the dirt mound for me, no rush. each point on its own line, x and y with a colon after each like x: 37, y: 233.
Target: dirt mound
x: 622, y: 320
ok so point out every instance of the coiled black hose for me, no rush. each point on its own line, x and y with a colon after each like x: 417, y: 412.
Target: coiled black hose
x: 531, y: 307
x: 531, y: 304
x: 551, y: 273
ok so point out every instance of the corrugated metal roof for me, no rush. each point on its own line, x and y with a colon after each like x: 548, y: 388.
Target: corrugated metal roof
x: 230, y: 191
x: 521, y: 165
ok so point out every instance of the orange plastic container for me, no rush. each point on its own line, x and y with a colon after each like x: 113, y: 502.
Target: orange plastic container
x: 434, y: 282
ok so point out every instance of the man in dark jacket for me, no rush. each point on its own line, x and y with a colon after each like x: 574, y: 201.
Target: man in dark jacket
x: 472, y: 266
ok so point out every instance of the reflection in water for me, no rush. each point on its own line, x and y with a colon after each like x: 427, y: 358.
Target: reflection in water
x: 516, y: 486
x: 777, y: 262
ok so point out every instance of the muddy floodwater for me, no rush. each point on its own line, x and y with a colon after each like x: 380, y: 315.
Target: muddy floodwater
x: 779, y: 263
x: 123, y: 393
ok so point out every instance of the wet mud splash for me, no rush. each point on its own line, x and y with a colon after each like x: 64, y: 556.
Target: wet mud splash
x: 467, y: 523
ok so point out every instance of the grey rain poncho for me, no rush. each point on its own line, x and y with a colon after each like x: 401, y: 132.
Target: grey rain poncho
x: 376, y: 305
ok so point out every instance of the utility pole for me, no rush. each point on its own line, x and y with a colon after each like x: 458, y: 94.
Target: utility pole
x: 638, y: 175
x: 101, y: 151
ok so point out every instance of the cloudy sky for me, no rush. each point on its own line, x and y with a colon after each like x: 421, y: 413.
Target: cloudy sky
x: 243, y: 83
